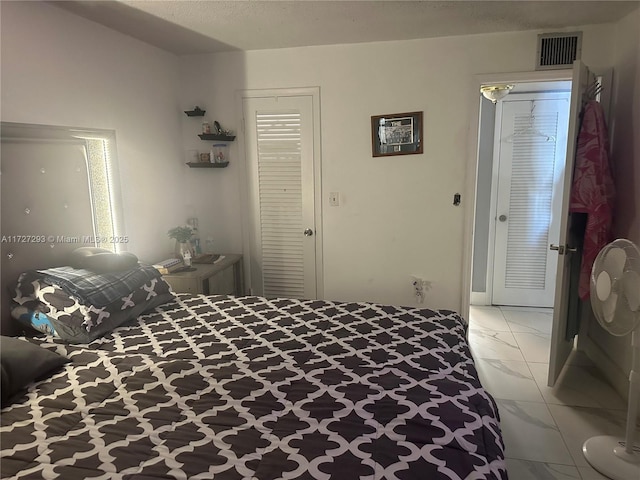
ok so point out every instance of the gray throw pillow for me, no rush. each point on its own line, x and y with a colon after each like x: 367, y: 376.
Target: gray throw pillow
x: 101, y: 260
x: 22, y: 362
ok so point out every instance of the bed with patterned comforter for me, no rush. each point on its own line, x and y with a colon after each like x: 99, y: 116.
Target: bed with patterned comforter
x: 249, y: 388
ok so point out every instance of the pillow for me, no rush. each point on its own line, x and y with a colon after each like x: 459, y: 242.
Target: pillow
x: 34, y: 318
x: 49, y: 309
x: 101, y: 260
x: 23, y: 362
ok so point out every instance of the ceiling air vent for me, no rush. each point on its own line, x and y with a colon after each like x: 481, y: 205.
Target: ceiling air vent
x: 558, y: 50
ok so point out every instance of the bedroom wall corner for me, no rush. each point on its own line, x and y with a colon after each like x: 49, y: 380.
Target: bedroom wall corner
x: 61, y: 69
x: 214, y: 195
x: 614, y: 353
x: 624, y: 126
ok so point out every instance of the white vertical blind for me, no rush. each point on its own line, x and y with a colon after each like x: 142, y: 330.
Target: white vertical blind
x: 530, y: 200
x: 280, y: 191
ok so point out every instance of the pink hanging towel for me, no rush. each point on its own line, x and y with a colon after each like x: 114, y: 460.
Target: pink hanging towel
x: 592, y: 191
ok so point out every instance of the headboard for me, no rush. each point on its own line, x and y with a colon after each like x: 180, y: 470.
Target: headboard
x: 45, y: 200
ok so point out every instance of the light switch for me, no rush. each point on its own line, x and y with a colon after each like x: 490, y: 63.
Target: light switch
x: 334, y: 199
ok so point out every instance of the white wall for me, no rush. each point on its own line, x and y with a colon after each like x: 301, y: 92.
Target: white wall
x: 625, y: 126
x: 214, y: 194
x: 60, y: 69
x: 396, y: 216
x: 614, y: 353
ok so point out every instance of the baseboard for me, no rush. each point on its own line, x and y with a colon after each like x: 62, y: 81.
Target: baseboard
x: 479, y: 298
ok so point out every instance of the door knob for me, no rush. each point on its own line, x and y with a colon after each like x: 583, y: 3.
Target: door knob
x: 308, y: 232
x: 502, y: 218
x: 559, y: 248
x: 562, y: 249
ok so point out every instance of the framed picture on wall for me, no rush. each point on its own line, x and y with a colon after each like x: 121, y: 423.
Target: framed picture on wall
x: 396, y: 134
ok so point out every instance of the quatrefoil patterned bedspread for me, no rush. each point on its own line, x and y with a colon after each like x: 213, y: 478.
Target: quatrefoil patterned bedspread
x: 250, y: 388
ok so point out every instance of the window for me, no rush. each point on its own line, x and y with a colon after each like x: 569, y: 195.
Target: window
x: 61, y: 184
x: 103, y: 190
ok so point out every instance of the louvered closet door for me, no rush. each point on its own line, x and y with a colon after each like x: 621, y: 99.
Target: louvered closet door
x: 531, y: 151
x: 279, y: 134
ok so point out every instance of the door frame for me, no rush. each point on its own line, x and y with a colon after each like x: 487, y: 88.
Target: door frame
x: 472, y: 161
x: 493, y: 208
x: 314, y: 93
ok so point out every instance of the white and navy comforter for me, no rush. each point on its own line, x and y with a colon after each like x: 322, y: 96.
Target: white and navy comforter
x: 249, y: 388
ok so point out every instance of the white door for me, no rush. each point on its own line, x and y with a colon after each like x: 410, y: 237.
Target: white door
x: 531, y: 142
x: 561, y: 346
x: 279, y: 135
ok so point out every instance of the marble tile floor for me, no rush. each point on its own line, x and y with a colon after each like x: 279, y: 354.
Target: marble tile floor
x: 543, y: 428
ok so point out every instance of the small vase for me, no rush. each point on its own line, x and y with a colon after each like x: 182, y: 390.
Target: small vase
x: 182, y: 248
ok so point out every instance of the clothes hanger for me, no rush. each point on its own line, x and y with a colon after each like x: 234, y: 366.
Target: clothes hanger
x: 591, y: 92
x: 530, y: 130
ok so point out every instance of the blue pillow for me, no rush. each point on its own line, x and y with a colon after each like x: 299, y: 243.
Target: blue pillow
x: 35, y: 319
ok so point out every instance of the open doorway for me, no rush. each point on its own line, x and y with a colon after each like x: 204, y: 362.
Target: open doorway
x: 567, y: 322
x: 514, y: 300
x: 520, y: 171
x: 522, y: 143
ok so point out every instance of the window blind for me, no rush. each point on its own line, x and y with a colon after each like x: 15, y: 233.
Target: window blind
x: 280, y: 190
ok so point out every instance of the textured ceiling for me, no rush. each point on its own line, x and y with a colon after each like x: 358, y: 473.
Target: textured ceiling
x: 205, y: 26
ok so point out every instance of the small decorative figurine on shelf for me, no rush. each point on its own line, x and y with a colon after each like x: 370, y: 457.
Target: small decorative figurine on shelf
x: 218, y: 130
x: 219, y: 153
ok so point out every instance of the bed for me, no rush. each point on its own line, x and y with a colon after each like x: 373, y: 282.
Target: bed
x: 252, y: 388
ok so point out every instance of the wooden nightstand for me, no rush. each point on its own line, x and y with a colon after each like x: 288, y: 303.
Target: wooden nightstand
x: 223, y: 277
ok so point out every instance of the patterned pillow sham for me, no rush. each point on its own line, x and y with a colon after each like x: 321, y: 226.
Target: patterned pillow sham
x: 47, y: 308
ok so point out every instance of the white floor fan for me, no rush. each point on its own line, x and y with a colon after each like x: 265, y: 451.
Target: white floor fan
x: 615, y: 298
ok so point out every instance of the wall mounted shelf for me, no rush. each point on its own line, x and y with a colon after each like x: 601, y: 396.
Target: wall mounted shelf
x: 219, y: 138
x: 196, y: 112
x: 207, y: 165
